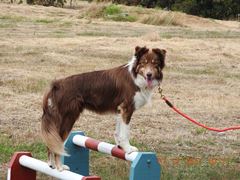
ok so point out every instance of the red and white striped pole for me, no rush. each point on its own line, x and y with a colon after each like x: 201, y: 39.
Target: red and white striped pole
x: 103, y: 147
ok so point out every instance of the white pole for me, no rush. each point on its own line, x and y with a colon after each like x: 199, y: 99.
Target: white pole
x: 43, y: 167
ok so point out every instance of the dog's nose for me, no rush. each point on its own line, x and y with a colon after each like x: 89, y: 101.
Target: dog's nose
x: 149, y: 75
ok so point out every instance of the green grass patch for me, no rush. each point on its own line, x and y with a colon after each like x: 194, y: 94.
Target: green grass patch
x: 112, y: 10
x: 65, y: 24
x: 179, y: 168
x: 109, y: 12
x: 193, y: 34
x: 6, y: 25
x: 59, y: 34
x: 108, y: 167
x: 122, y: 17
x: 8, y: 146
x: 9, y: 21
x: 232, y: 75
x: 12, y: 18
x: 199, y: 131
x: 115, y: 13
x: 45, y: 21
x: 203, y: 170
x: 94, y: 33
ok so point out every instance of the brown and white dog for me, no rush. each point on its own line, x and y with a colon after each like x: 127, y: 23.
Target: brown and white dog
x: 120, y: 90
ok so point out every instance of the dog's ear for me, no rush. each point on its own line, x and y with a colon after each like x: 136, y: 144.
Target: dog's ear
x: 137, y: 48
x: 140, y: 51
x: 161, y: 53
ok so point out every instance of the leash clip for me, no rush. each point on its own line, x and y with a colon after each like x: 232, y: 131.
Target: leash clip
x: 160, y: 91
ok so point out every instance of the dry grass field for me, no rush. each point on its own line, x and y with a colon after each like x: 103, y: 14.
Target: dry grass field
x: 202, y: 77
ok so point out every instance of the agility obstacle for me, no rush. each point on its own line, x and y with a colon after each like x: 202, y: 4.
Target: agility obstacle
x: 144, y: 165
x: 23, y: 167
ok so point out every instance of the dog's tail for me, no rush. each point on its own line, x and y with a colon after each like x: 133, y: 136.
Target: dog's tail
x: 51, y: 121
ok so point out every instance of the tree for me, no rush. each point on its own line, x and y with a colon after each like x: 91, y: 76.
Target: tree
x: 219, y: 9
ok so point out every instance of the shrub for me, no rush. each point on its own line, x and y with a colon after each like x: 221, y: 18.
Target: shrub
x: 213, y: 9
x: 115, y: 13
x: 219, y: 9
x: 112, y: 10
x: 58, y: 3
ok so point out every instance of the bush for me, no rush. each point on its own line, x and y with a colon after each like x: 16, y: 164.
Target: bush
x: 219, y: 9
x: 115, y: 13
x: 112, y: 10
x: 58, y: 3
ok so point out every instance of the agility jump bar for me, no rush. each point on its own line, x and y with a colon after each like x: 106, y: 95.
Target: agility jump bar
x: 103, y: 147
x: 24, y: 167
x: 143, y: 165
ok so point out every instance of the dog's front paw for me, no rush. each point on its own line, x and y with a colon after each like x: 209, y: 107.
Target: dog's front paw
x: 65, y: 167
x: 62, y: 168
x: 133, y: 149
x: 129, y: 149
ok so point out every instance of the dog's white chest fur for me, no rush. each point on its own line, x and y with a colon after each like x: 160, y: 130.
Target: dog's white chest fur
x: 142, y: 97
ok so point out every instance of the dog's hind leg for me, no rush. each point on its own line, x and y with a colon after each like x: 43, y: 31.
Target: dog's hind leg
x: 64, y: 132
x: 51, y: 157
x: 57, y: 157
x: 59, y: 164
x: 65, y: 128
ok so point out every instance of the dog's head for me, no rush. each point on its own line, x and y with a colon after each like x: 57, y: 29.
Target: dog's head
x: 147, y: 66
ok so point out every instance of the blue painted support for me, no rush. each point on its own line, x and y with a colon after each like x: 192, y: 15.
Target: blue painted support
x: 145, y: 167
x: 78, y: 161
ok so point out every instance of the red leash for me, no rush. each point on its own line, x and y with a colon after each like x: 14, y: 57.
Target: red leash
x: 192, y: 120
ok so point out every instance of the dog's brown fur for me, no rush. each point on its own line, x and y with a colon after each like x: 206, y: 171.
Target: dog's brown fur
x: 106, y: 91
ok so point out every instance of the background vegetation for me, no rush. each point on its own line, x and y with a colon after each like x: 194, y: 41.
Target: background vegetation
x: 219, y: 9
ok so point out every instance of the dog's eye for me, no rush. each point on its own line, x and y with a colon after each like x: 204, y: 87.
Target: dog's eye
x: 143, y: 62
x: 155, y: 61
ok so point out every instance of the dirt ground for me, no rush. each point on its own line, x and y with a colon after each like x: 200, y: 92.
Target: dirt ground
x: 202, y: 76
